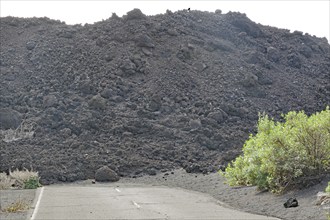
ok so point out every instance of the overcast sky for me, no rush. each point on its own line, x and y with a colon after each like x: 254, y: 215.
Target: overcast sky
x: 308, y: 16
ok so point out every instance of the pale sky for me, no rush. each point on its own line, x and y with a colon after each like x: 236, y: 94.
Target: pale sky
x: 311, y: 16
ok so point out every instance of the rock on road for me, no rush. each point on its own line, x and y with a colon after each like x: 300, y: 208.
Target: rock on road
x: 130, y: 202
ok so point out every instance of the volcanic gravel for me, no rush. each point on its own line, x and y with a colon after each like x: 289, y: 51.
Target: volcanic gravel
x: 143, y: 94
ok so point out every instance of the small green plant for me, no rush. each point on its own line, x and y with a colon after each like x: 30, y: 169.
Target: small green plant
x: 32, y: 183
x: 283, y: 155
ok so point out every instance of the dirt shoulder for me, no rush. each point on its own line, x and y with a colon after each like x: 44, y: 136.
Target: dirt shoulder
x: 10, y: 198
x: 242, y: 198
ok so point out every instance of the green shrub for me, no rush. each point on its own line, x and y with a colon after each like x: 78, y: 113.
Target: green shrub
x: 328, y: 188
x: 284, y: 154
x: 32, y: 183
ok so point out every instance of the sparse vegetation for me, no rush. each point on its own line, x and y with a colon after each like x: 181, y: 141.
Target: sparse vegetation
x: 327, y: 190
x: 17, y: 206
x: 286, y: 154
x: 32, y: 183
x: 5, y: 181
x: 23, y: 179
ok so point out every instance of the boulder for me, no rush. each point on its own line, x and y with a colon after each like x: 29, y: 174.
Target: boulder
x: 31, y: 45
x: 105, y: 174
x: 50, y: 101
x: 9, y: 119
x: 294, y: 61
x: 218, y: 115
x: 97, y: 102
x: 195, y: 124
x: 135, y: 14
x: 273, y: 54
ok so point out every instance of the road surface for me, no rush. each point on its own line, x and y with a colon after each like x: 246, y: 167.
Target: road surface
x: 130, y: 202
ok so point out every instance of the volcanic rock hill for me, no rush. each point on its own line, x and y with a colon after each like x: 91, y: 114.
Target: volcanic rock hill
x: 144, y: 94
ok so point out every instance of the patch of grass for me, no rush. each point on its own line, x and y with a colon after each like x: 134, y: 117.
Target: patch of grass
x: 17, y: 206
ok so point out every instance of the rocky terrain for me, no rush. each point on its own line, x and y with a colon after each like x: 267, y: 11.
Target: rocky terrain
x: 143, y: 94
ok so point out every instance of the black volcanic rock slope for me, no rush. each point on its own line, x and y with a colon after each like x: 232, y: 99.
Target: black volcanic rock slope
x: 143, y: 94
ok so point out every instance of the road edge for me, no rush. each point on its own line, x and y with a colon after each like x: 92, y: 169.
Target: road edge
x: 35, y: 204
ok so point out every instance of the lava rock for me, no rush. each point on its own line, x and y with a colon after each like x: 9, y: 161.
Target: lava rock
x: 198, y: 64
x: 31, y: 45
x: 105, y: 174
x: 294, y: 60
x: 273, y: 54
x: 49, y: 101
x: 135, y: 14
x: 151, y: 172
x: 97, y: 102
x: 9, y: 119
x: 292, y: 202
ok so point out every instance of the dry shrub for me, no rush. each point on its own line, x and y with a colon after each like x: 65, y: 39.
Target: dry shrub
x: 16, y: 207
x: 25, y: 130
x: 5, y: 181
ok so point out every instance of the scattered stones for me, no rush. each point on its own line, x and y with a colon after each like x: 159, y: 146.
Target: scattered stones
x: 128, y: 67
x: 149, y: 93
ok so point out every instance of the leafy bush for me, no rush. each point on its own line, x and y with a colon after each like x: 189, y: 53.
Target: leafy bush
x: 284, y: 154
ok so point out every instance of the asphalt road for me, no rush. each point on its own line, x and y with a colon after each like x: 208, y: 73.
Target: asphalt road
x: 130, y: 202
